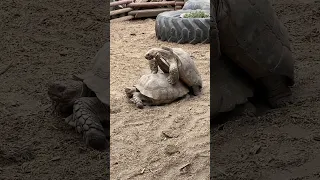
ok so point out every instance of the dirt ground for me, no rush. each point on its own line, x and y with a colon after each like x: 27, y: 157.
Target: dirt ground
x: 155, y: 142
x: 52, y: 40
x: 47, y: 40
x: 283, y: 143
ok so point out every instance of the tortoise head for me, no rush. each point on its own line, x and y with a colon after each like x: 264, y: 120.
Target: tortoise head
x: 151, y: 53
x: 164, y: 52
x: 65, y: 92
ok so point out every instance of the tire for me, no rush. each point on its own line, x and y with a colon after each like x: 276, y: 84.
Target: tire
x: 172, y: 28
x: 197, y: 4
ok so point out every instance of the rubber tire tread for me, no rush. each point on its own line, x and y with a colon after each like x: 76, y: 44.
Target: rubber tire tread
x: 170, y: 27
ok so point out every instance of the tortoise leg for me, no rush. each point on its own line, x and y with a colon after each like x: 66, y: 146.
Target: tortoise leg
x: 70, y: 120
x: 153, y: 66
x: 137, y: 99
x: 173, y: 77
x: 246, y: 109
x: 89, y: 113
x: 196, y: 90
x: 278, y: 93
x: 172, y: 60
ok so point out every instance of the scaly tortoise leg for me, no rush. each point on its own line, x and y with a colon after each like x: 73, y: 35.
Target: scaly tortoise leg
x: 70, y: 120
x: 279, y: 94
x: 88, y: 115
x: 153, y: 66
x: 136, y: 99
x: 246, y: 109
x: 135, y: 96
x: 196, y: 90
x: 173, y: 77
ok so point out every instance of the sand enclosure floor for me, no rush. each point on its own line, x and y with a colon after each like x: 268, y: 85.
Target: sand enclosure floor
x: 139, y: 148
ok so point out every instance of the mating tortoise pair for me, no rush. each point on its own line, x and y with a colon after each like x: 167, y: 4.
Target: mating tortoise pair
x: 248, y: 32
x: 180, y: 76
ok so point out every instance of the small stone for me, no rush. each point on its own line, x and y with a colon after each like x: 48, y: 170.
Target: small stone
x: 316, y: 137
x: 171, y: 149
x: 63, y: 53
x: 56, y: 158
x: 169, y: 134
x: 115, y: 111
x: 185, y: 169
x: 256, y: 149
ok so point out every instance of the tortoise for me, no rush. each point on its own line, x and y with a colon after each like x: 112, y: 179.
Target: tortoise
x: 85, y: 101
x: 179, y: 64
x: 154, y: 90
x: 250, y: 34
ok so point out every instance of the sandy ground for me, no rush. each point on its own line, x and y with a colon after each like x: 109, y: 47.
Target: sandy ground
x: 52, y: 40
x: 48, y: 40
x: 283, y: 143
x: 139, y: 146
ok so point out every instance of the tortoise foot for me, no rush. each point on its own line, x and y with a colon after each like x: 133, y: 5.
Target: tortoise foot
x: 136, y: 99
x: 247, y: 109
x: 196, y: 90
x: 280, y: 101
x: 95, y: 139
x: 89, y: 114
x: 70, y: 120
x: 278, y: 92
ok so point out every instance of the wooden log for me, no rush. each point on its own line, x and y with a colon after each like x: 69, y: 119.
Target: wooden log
x: 178, y: 7
x: 120, y: 11
x: 116, y: 3
x: 148, y: 12
x: 154, y: 4
x: 124, y: 18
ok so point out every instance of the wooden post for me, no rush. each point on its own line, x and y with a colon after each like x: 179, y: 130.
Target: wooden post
x: 116, y: 3
x: 148, y: 12
x: 120, y: 11
x: 124, y: 18
x: 154, y: 4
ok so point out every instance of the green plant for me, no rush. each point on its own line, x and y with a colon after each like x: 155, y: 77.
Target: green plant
x: 196, y: 14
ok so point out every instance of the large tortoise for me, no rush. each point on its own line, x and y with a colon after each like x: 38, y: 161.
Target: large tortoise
x: 86, y: 97
x: 178, y: 63
x: 251, y: 35
x: 154, y: 89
